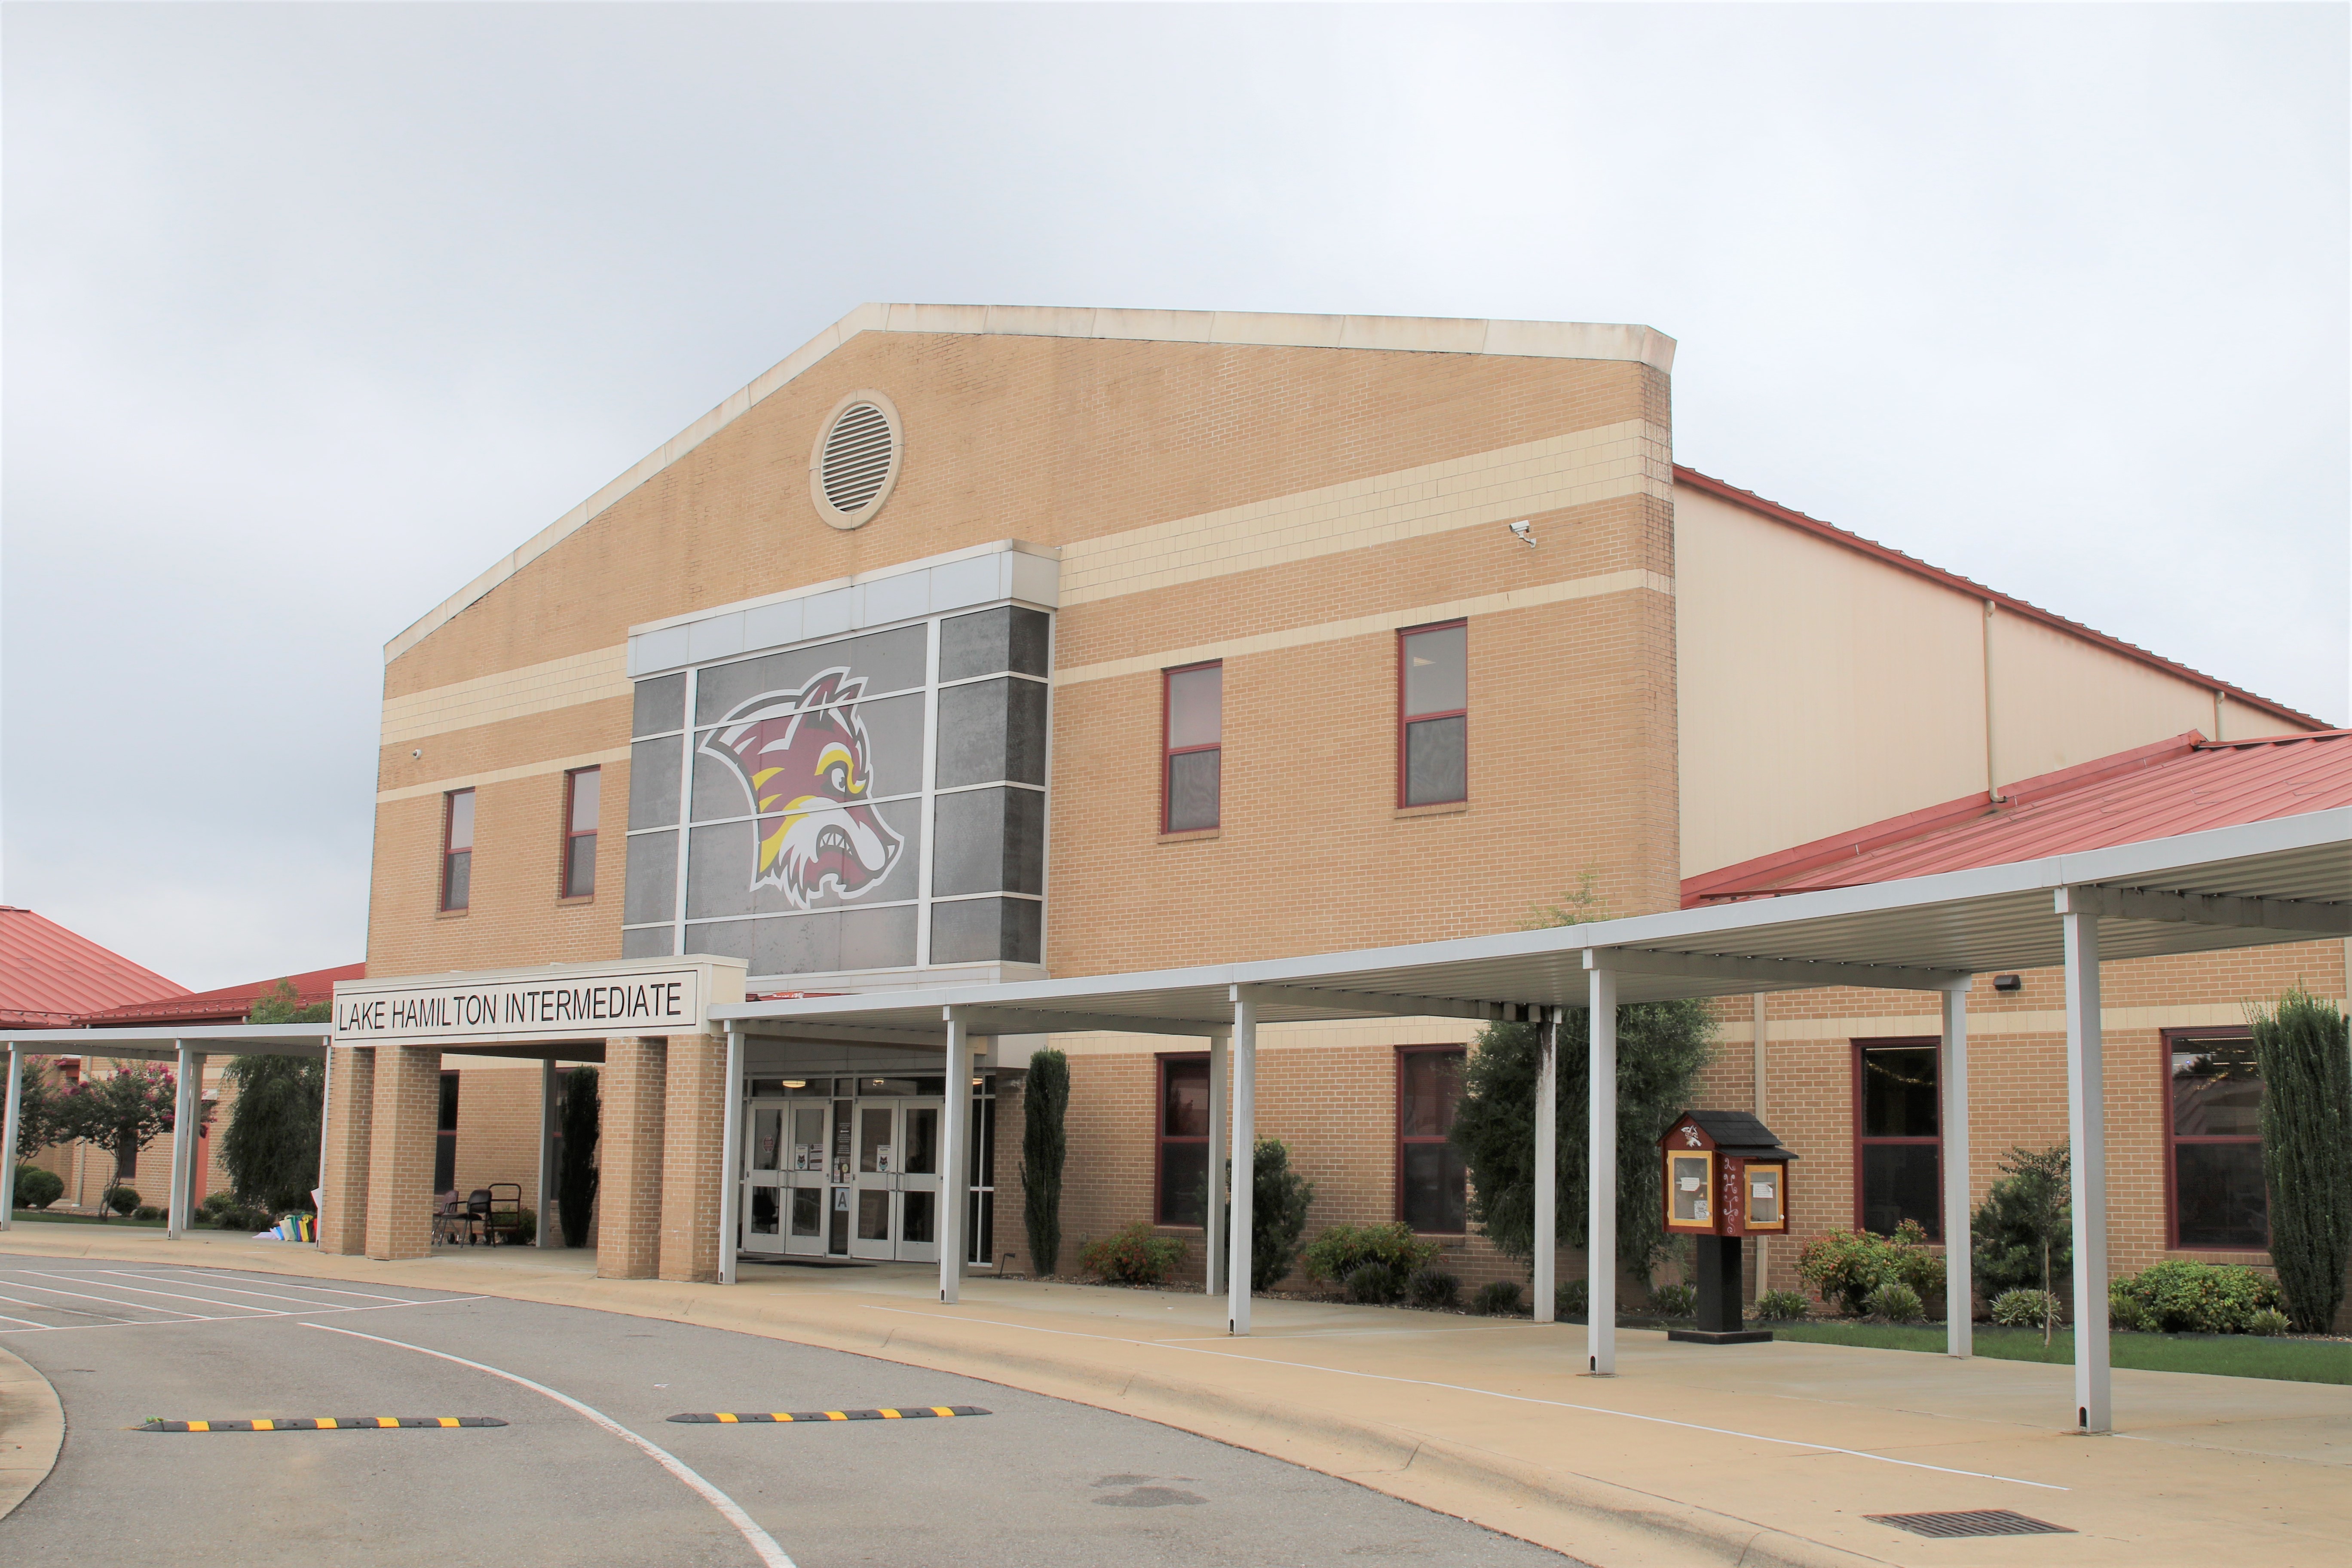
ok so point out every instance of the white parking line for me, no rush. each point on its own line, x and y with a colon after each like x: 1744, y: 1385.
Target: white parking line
x: 189, y: 1321
x: 230, y: 1290
x: 370, y: 1295
x: 55, y: 1307
x: 84, y: 1295
x: 176, y: 1295
x: 762, y: 1542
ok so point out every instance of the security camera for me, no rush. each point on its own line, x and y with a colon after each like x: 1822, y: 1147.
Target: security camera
x: 1520, y: 531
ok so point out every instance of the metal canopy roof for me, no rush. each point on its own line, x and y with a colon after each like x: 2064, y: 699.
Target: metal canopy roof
x: 2278, y: 880
x: 162, y: 1045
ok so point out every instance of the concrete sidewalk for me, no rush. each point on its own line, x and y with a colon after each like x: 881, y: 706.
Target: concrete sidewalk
x: 1747, y: 1455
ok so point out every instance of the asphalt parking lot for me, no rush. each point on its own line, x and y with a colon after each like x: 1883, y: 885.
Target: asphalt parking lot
x: 589, y: 1468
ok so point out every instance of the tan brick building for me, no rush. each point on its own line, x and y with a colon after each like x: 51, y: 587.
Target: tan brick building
x: 974, y: 644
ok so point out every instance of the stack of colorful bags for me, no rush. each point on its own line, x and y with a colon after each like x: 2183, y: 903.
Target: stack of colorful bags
x: 293, y: 1227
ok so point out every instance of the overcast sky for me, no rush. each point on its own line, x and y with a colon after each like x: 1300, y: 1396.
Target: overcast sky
x: 312, y: 313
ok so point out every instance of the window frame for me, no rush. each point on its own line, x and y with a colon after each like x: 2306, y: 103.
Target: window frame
x: 1159, y: 1135
x: 450, y: 856
x: 2167, y: 1040
x: 1904, y: 1042
x: 1399, y: 1139
x: 1169, y: 754
x: 563, y: 862
x: 1404, y: 721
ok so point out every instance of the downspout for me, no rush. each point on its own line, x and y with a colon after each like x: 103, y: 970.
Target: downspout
x: 1992, y: 773
x: 1763, y: 1259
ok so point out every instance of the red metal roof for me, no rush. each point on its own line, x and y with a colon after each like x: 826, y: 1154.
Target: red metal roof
x: 229, y: 1005
x: 2186, y: 785
x: 49, y: 976
x: 1953, y: 580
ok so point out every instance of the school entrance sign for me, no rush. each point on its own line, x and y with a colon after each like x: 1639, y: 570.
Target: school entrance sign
x: 547, y: 1002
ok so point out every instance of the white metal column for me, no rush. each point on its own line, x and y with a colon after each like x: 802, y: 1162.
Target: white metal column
x: 327, y: 1110
x: 15, y: 1097
x: 2086, y: 1127
x: 187, y: 1114
x: 1244, y: 1135
x: 955, y: 1121
x: 1763, y: 1034
x: 1601, y: 1180
x: 1547, y: 1165
x: 731, y: 1159
x: 548, y: 1234
x: 1213, y: 1222
x: 1959, y: 1290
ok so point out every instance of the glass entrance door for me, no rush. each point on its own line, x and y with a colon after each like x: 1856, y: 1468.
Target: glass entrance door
x: 763, y: 1198
x: 804, y: 1178
x: 895, y: 1180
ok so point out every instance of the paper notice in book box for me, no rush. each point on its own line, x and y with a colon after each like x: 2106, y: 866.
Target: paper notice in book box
x: 1725, y: 1173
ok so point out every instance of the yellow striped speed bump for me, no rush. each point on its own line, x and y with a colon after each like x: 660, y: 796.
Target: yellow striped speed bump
x: 320, y: 1424
x: 903, y: 1413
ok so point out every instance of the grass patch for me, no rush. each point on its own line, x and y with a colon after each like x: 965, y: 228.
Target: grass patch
x: 2221, y: 1355
x: 43, y: 1216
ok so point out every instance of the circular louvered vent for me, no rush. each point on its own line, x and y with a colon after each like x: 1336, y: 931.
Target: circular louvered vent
x: 856, y: 459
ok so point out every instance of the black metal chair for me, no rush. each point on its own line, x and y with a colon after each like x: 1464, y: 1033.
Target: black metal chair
x: 501, y: 1211
x: 452, y: 1220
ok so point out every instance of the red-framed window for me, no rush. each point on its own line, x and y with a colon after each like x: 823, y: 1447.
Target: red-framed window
x: 1432, y: 1183
x: 456, y: 848
x: 1191, y: 739
x: 1898, y: 1142
x: 1181, y: 1130
x: 581, y: 788
x: 1433, y: 713
x: 2214, y: 1199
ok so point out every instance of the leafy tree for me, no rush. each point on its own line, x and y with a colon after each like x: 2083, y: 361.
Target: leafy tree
x: 2025, y: 1228
x: 575, y: 1180
x: 281, y: 1004
x: 1661, y: 1046
x: 270, y: 1148
x: 1044, y: 1145
x: 2307, y: 1119
x: 38, y: 1101
x: 121, y: 1114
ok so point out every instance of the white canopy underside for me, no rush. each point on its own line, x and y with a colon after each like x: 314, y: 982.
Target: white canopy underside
x: 1920, y: 933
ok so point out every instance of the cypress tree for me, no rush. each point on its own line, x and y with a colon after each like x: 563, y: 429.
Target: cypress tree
x: 576, y: 1181
x: 2306, y: 1123
x: 1045, y: 1099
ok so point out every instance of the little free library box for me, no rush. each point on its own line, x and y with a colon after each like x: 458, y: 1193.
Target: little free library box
x: 1726, y: 1176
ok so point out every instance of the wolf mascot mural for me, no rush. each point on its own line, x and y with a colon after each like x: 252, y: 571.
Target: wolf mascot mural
x: 801, y: 757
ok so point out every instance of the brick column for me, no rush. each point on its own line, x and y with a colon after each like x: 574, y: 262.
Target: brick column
x: 629, y: 1174
x: 693, y: 1117
x: 350, y: 1109
x: 406, y: 1121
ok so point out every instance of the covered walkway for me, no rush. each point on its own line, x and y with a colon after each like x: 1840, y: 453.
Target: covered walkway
x: 2285, y: 879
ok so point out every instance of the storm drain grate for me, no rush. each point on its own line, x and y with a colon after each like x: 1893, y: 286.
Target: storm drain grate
x: 1980, y: 1521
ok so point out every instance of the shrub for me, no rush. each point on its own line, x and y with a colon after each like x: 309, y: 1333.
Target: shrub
x: 1044, y: 1147
x: 2306, y: 1122
x: 1846, y: 1267
x: 269, y: 1149
x: 2025, y: 1308
x: 2126, y: 1311
x: 1341, y: 1249
x: 1433, y: 1289
x: 1572, y: 1299
x: 2180, y: 1296
x: 1674, y: 1300
x: 122, y: 1200
x: 2024, y: 1236
x: 1376, y: 1284
x: 36, y: 1188
x: 1279, y: 1198
x: 147, y: 1211
x: 1896, y: 1302
x: 1498, y: 1298
x: 1781, y: 1306
x: 2266, y: 1321
x: 526, y: 1229
x: 1134, y: 1256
